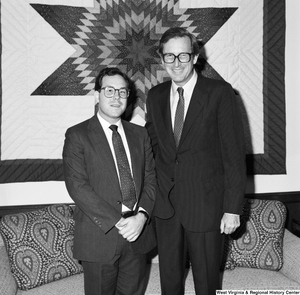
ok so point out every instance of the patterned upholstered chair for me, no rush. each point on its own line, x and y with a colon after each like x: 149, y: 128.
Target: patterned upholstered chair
x: 35, y: 253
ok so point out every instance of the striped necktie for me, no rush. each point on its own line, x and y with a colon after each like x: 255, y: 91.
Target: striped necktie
x: 179, y: 117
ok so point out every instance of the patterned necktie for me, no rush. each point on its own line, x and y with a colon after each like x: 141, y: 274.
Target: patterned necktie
x: 126, y: 180
x: 179, y: 117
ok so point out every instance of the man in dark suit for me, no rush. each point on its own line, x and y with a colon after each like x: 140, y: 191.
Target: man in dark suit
x: 200, y: 164
x: 111, y: 237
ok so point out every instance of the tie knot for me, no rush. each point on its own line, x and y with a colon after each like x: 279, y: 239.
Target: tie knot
x: 114, y: 128
x: 180, y: 91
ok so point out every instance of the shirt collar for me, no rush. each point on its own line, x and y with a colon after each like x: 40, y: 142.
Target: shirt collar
x: 188, y: 87
x: 105, y: 124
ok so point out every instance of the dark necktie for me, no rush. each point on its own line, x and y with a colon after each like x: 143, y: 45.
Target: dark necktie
x: 179, y: 117
x: 127, y: 184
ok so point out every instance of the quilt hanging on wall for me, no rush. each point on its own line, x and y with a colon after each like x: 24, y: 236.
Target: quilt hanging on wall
x: 51, y: 51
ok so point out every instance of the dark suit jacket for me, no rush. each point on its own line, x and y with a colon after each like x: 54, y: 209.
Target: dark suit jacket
x: 92, y: 182
x: 208, y: 169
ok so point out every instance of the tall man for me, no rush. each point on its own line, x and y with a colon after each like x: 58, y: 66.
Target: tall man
x: 197, y: 137
x: 109, y: 173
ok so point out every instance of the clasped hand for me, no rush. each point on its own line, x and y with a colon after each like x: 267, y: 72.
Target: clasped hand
x: 131, y: 227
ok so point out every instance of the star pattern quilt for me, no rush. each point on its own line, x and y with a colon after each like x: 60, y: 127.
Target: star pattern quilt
x: 51, y: 51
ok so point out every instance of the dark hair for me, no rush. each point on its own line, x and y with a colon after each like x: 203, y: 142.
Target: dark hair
x: 110, y: 72
x: 178, y: 32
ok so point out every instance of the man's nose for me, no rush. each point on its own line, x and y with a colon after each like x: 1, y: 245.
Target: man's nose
x: 176, y: 61
x: 117, y: 94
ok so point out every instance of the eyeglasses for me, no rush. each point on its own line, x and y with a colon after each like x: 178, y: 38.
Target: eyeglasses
x: 110, y: 92
x: 183, y: 57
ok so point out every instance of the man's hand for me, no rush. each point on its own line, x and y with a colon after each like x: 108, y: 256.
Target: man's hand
x: 131, y: 227
x: 229, y: 223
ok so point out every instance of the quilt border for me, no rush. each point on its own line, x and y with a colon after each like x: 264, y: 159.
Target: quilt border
x: 273, y: 160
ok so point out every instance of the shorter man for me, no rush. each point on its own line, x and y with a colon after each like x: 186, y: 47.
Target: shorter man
x: 109, y: 173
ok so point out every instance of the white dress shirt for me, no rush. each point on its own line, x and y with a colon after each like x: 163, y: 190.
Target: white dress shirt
x: 188, y: 89
x: 108, y: 132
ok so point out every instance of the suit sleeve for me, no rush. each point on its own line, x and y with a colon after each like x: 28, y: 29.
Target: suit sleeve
x: 149, y: 123
x: 149, y: 182
x: 77, y: 180
x: 233, y: 150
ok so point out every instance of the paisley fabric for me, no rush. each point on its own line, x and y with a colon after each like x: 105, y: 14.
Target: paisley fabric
x: 39, y: 245
x: 258, y: 241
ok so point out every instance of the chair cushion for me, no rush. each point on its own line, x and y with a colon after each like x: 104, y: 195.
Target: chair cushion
x: 291, y: 261
x: 243, y: 278
x: 39, y: 245
x: 72, y: 285
x: 258, y: 242
x: 8, y: 284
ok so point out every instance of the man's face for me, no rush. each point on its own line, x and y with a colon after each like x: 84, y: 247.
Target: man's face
x: 179, y: 72
x: 112, y: 108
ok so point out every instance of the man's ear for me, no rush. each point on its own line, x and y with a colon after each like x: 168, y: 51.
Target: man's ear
x: 195, y: 59
x: 96, y: 96
x: 96, y: 103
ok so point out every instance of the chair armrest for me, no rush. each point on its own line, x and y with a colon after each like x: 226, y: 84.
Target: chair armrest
x: 291, y: 257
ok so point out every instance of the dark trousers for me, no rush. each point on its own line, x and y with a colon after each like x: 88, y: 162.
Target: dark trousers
x: 204, y: 251
x: 123, y: 275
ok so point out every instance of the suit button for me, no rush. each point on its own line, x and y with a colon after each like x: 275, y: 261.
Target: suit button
x: 172, y: 179
x: 119, y: 202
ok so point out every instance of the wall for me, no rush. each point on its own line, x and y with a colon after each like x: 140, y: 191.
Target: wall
x: 53, y: 192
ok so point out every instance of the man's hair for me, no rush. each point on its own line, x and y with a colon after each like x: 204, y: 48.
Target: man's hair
x: 110, y: 72
x: 178, y: 32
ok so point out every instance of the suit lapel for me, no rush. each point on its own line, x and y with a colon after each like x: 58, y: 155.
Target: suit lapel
x: 198, y: 100
x: 199, y: 97
x: 165, y: 116
x: 165, y: 109
x: 100, y: 143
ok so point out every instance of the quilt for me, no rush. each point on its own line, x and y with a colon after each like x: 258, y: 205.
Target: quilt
x: 51, y: 51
